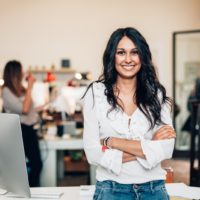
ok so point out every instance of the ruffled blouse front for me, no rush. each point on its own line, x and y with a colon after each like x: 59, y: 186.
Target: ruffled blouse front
x: 100, y: 123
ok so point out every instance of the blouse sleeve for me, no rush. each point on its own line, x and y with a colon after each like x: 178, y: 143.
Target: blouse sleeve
x: 111, y: 159
x: 11, y: 103
x: 156, y: 151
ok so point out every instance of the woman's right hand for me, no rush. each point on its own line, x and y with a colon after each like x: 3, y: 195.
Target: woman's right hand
x: 165, y: 132
x: 31, y: 79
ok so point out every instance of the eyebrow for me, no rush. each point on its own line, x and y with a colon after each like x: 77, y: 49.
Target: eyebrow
x: 124, y: 49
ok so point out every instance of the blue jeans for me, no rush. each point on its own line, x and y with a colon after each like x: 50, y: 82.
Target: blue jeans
x: 111, y: 190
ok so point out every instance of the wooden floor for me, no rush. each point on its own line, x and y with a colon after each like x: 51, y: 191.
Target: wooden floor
x: 180, y: 167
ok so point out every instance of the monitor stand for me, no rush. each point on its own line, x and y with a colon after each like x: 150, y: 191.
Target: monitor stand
x: 46, y: 195
x: 3, y: 192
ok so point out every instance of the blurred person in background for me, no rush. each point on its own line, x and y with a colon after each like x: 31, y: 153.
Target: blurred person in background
x: 17, y: 99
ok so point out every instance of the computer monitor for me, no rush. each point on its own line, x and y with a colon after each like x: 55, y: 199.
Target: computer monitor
x: 13, y: 172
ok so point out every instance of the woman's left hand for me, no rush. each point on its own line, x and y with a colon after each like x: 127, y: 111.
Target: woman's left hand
x: 165, y: 132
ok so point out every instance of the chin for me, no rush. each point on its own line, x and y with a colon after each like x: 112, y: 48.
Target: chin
x: 128, y: 76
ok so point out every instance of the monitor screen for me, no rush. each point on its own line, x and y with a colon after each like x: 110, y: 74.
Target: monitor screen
x: 13, y: 172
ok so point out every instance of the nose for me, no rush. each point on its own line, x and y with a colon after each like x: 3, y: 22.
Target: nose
x: 128, y: 58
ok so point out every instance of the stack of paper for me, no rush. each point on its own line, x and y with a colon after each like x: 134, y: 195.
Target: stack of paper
x: 48, y: 195
x: 87, y: 192
x: 182, y: 190
x: 39, y: 196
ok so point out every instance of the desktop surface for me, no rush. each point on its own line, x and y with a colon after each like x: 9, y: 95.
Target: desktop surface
x: 86, y: 192
x: 71, y: 193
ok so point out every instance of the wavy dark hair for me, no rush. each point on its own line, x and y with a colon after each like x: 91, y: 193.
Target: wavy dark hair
x: 148, y: 86
x: 12, y: 76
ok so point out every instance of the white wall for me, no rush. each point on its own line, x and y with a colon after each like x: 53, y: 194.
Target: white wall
x: 42, y: 32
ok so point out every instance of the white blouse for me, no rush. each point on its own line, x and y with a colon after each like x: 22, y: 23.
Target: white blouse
x: 97, y: 125
x: 14, y: 104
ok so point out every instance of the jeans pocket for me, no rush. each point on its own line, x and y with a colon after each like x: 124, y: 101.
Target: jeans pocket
x: 165, y: 194
x: 97, y: 193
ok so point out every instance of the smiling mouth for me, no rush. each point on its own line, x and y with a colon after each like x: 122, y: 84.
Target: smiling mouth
x: 128, y: 66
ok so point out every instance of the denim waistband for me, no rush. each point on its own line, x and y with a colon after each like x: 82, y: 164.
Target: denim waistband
x: 151, y: 185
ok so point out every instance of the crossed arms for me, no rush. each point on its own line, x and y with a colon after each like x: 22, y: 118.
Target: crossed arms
x: 132, y: 148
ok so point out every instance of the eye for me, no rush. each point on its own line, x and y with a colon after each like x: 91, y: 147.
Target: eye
x: 135, y: 52
x: 121, y: 52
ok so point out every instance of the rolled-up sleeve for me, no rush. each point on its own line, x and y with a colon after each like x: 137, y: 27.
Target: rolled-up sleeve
x: 111, y: 159
x: 156, y: 151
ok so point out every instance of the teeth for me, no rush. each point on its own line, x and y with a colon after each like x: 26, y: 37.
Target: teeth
x: 128, y: 65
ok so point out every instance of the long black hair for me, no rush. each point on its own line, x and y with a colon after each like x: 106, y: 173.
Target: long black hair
x: 150, y: 94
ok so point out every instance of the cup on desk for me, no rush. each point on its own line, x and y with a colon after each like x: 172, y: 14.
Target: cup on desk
x: 169, y: 175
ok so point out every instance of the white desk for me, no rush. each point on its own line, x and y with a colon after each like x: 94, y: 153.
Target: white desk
x: 51, y: 151
x: 71, y: 193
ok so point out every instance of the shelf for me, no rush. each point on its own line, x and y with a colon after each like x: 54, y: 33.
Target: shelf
x: 62, y: 74
x: 58, y: 71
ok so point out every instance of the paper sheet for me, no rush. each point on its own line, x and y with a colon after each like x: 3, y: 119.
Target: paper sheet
x: 182, y: 190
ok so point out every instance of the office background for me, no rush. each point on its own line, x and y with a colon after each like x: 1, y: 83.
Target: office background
x: 42, y: 32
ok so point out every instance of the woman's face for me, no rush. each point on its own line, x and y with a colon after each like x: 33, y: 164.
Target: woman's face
x: 20, y: 74
x: 127, y: 60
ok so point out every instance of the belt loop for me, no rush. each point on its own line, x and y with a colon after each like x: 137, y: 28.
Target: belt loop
x: 151, y: 186
x: 113, y: 184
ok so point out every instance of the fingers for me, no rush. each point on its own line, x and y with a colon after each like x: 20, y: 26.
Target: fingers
x: 165, y: 127
x: 32, y: 78
x: 165, y: 132
x: 166, y: 135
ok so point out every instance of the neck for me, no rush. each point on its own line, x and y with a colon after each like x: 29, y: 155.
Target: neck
x: 126, y: 85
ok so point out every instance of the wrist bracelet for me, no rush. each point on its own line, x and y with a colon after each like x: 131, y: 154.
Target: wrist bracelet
x: 104, y: 141
x: 107, y: 142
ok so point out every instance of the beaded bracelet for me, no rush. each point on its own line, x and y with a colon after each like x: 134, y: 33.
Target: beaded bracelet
x: 107, y: 142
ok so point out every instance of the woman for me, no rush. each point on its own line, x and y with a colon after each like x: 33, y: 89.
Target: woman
x: 127, y: 123
x: 17, y: 99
